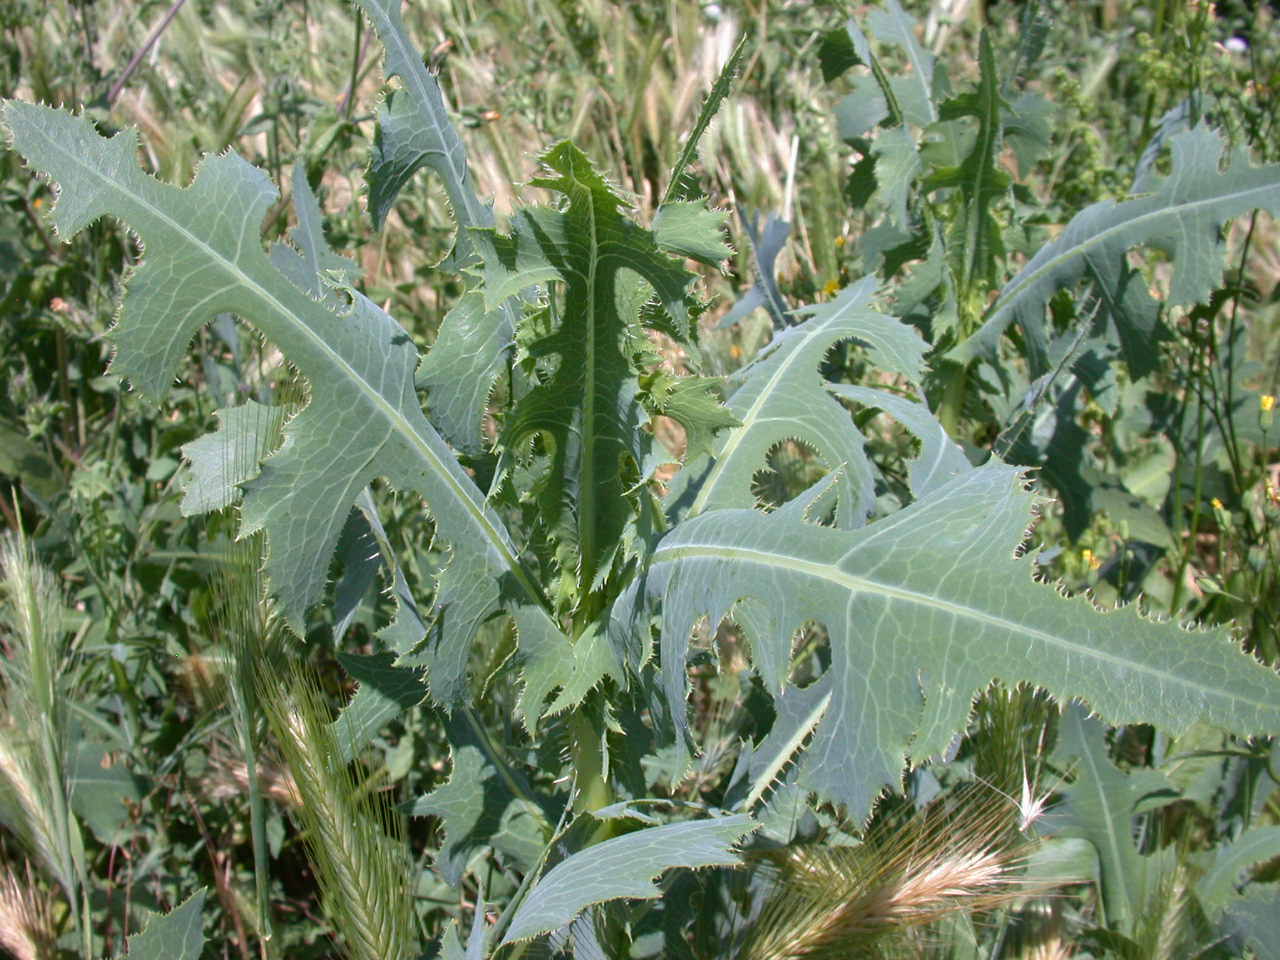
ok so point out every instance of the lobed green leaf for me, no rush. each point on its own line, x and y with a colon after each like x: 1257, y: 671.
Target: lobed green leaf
x: 204, y: 257
x: 624, y: 867
x: 924, y: 609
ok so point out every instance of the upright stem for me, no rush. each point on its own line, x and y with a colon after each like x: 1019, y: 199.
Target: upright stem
x: 590, y: 772
x: 951, y: 408
x: 143, y: 51
x: 246, y: 728
x: 593, y: 790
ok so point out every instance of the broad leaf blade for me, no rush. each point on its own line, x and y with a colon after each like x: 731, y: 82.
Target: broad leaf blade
x: 766, y: 243
x: 414, y: 131
x: 385, y: 693
x: 624, y: 867
x: 1255, y: 921
x: 1218, y: 887
x: 1099, y: 807
x: 782, y: 398
x: 897, y: 164
x: 205, y: 257
x: 310, y: 260
x: 979, y: 179
x: 590, y: 408
x: 226, y: 458
x: 482, y: 792
x: 915, y: 89
x: 940, y: 459
x: 1184, y: 217
x: 924, y: 609
x: 459, y: 373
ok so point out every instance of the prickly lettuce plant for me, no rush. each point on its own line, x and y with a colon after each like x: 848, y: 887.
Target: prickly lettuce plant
x: 561, y: 551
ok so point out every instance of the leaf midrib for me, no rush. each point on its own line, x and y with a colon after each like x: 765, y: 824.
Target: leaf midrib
x: 740, y: 433
x: 587, y: 478
x: 1112, y: 834
x: 247, y: 282
x: 852, y: 583
x: 1010, y: 300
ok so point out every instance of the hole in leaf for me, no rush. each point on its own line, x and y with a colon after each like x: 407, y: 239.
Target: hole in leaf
x: 791, y: 468
x: 810, y: 654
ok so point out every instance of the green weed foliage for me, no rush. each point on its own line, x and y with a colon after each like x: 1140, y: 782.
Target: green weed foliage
x: 490, y: 584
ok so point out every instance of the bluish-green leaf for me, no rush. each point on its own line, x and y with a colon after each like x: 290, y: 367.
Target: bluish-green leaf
x: 204, y: 257
x: 1218, y: 887
x: 310, y: 264
x: 940, y: 458
x: 483, y: 791
x: 624, y: 866
x: 897, y: 164
x: 782, y: 397
x: 385, y: 693
x: 1099, y: 806
x: 1256, y: 922
x: 766, y: 244
x: 924, y: 608
x: 223, y: 460
x: 414, y: 131
x: 1182, y: 216
x: 915, y: 88
x: 103, y: 791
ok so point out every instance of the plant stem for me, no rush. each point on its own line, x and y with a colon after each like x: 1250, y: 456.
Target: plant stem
x: 116, y: 87
x: 951, y: 408
x: 588, y: 763
x: 246, y: 728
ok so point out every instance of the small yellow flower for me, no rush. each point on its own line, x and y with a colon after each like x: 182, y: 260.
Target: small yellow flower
x: 1267, y: 402
x: 1217, y: 504
x: 735, y: 351
x: 839, y: 241
x: 38, y: 202
x: 1091, y: 560
x: 831, y: 287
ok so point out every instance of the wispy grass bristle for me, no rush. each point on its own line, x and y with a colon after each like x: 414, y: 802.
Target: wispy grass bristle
x: 226, y: 778
x: 354, y: 840
x: 40, y: 681
x: 829, y: 902
x: 26, y: 917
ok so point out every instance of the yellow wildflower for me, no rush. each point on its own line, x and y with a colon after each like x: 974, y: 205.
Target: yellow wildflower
x: 1217, y: 504
x: 831, y: 287
x: 1267, y: 402
x: 1090, y: 558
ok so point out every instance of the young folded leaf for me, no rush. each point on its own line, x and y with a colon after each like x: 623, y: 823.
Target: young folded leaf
x: 595, y: 356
